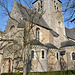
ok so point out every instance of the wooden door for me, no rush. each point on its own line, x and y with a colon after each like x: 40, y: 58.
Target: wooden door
x: 9, y: 67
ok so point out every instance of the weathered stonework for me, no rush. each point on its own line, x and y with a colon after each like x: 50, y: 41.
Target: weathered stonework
x: 54, y: 18
x: 12, y: 43
x: 40, y: 63
x: 53, y: 62
x: 68, y: 63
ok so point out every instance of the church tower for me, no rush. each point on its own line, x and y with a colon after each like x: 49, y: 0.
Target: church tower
x: 52, y: 10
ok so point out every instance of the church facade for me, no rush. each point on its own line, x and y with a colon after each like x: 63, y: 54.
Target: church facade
x: 52, y: 45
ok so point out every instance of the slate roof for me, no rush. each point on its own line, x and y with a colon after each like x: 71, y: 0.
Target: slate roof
x: 28, y: 14
x: 67, y: 43
x: 49, y: 45
x: 36, y: 42
x: 70, y: 33
x: 35, y: 18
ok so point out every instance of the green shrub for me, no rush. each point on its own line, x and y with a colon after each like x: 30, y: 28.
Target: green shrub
x: 11, y: 74
x: 70, y: 72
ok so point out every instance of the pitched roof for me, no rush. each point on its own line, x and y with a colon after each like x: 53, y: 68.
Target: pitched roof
x: 35, y: 18
x: 36, y: 42
x: 49, y: 45
x: 70, y: 33
x: 67, y: 43
x: 30, y: 15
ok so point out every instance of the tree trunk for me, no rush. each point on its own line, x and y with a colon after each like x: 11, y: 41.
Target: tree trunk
x: 24, y: 63
x: 25, y: 69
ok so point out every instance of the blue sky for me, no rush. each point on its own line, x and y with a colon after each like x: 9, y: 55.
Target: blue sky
x: 68, y: 14
x: 4, y: 18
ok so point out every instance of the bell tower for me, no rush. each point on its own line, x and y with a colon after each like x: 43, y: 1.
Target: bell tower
x: 38, y: 5
x: 53, y: 17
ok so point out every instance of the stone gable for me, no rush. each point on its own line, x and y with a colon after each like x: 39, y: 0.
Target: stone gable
x: 46, y: 52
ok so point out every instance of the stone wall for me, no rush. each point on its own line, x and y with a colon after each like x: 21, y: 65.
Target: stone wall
x: 54, y: 18
x: 1, y: 62
x: 12, y: 54
x: 53, y: 60
x: 38, y: 64
x: 67, y: 63
x: 45, y: 36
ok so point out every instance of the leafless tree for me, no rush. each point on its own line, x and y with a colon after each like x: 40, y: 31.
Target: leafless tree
x: 69, y: 8
x: 27, y: 25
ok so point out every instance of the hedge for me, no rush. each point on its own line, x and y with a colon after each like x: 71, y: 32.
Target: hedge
x: 12, y: 74
x: 71, y: 72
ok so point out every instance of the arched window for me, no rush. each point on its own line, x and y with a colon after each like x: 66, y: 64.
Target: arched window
x: 37, y: 33
x: 73, y: 56
x: 12, y: 30
x: 43, y: 54
x: 57, y: 56
x: 12, y: 27
x: 32, y: 54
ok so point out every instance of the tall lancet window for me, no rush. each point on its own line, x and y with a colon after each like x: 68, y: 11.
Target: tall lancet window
x: 12, y: 31
x: 58, y: 56
x: 73, y: 56
x: 37, y: 33
x: 42, y: 54
x: 32, y: 54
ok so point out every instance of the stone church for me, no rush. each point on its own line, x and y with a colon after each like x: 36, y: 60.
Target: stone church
x: 52, y: 45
